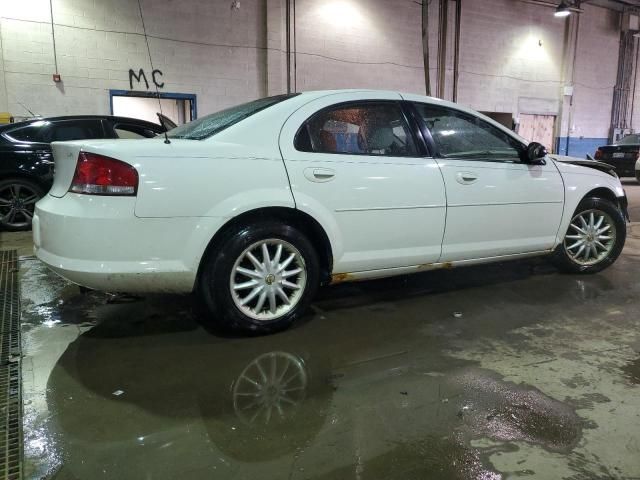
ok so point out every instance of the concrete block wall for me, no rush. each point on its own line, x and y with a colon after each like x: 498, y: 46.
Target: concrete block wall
x: 202, y: 47
x: 511, y: 54
x: 359, y: 44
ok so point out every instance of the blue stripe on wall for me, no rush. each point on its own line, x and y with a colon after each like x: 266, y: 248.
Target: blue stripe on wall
x: 579, y: 147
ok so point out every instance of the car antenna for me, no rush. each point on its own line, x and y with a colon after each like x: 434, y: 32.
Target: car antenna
x: 146, y: 39
x: 25, y: 107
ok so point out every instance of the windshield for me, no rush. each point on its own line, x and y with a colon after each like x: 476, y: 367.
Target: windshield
x: 632, y: 139
x: 216, y: 122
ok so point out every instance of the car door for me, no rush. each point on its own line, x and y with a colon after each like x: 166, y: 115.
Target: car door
x: 356, y: 166
x: 496, y: 204
x: 25, y: 150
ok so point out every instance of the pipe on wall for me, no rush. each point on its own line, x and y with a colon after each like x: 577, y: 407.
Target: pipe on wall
x: 443, y: 17
x: 622, y: 89
x: 456, y: 50
x: 573, y: 70
x: 425, y: 46
x: 635, y: 77
x: 288, y: 42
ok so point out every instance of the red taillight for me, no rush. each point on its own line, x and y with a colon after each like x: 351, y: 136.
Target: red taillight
x: 598, y: 155
x: 99, y: 175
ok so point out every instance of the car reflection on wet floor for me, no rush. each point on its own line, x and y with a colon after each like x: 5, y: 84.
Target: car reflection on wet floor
x: 383, y: 381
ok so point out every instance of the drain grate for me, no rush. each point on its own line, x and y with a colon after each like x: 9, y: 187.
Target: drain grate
x: 10, y: 354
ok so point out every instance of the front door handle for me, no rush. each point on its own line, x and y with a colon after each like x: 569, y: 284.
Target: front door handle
x: 316, y: 174
x: 466, y: 178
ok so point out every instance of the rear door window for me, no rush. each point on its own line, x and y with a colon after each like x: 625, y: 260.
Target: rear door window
x: 367, y: 128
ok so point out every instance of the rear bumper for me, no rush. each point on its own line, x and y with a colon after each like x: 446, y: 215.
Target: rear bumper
x: 134, y: 277
x: 98, y: 242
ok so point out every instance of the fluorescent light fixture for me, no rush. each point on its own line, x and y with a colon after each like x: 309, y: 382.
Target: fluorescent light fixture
x: 562, y: 10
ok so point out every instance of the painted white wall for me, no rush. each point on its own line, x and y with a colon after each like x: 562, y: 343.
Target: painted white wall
x: 227, y: 56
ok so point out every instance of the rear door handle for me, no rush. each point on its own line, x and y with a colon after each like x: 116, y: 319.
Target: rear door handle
x: 466, y: 178
x: 316, y: 174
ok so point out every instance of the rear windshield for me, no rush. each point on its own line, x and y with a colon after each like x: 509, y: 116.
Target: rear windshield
x: 216, y: 122
x: 629, y: 140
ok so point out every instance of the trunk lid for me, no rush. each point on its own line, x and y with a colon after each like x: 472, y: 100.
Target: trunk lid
x: 65, y: 155
x: 618, y: 152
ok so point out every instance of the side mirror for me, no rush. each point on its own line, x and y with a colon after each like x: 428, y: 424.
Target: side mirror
x: 535, y: 153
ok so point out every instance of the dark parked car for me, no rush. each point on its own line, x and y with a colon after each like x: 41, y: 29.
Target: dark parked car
x: 622, y: 155
x: 26, y: 163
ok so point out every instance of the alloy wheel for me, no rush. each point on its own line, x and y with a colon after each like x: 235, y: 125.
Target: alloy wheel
x: 590, y: 238
x: 17, y: 204
x: 268, y: 279
x: 271, y: 386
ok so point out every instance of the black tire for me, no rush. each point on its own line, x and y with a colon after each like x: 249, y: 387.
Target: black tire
x: 17, y: 202
x: 214, y: 285
x: 565, y: 262
x: 638, y: 175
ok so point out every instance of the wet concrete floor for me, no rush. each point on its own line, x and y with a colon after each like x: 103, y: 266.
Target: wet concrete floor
x: 539, y: 377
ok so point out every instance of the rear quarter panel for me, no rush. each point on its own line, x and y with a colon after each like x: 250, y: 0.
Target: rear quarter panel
x: 209, y: 179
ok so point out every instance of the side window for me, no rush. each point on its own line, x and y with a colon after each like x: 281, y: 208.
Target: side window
x: 124, y: 130
x: 75, y: 130
x: 35, y: 132
x: 371, y: 128
x: 458, y: 134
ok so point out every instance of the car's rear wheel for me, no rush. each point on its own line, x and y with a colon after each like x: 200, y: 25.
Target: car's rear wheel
x: 260, y: 279
x: 594, y: 239
x: 18, y: 198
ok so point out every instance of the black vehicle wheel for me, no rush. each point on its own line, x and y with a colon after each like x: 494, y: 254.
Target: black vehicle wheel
x: 260, y: 279
x: 594, y: 239
x: 638, y: 175
x: 18, y: 198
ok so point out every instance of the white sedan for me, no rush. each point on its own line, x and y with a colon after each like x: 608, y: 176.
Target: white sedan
x: 255, y: 206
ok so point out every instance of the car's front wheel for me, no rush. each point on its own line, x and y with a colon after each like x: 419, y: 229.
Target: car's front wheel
x: 260, y: 279
x: 594, y: 239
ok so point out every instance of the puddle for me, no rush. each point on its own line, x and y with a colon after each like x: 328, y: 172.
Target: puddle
x: 507, y: 412
x: 631, y: 371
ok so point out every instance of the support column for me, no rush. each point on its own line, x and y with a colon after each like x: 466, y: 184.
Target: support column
x: 563, y: 123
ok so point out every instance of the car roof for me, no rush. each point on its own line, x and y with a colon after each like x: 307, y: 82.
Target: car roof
x: 81, y: 117
x: 277, y: 114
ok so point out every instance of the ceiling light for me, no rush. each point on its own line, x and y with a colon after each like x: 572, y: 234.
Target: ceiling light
x: 562, y: 10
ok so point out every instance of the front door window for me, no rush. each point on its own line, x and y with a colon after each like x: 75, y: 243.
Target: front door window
x: 460, y: 135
